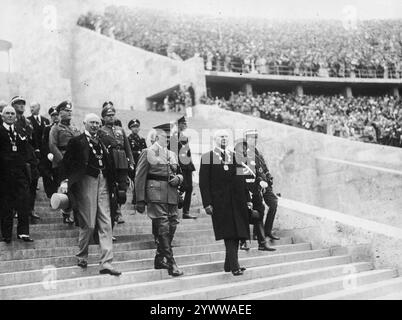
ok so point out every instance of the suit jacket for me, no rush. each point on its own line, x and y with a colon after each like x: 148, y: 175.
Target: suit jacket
x: 156, y: 161
x: 75, y: 163
x: 227, y: 192
x: 38, y: 131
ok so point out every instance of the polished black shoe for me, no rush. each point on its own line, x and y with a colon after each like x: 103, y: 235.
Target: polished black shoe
x: 114, y: 239
x: 243, y: 268
x: 245, y: 246
x: 83, y: 264
x: 264, y: 247
x: 188, y: 216
x: 272, y: 237
x: 237, y: 272
x: 175, y: 271
x: 112, y: 272
x: 33, y: 215
x: 160, y: 265
x: 25, y: 238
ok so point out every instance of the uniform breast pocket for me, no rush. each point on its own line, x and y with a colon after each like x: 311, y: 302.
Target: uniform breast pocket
x: 154, y: 190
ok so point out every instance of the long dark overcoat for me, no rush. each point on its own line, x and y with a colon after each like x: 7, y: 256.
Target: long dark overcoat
x: 227, y: 193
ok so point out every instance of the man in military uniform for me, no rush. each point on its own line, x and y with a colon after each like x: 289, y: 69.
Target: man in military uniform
x: 255, y: 181
x: 271, y: 200
x: 59, y: 136
x: 45, y: 165
x: 157, y: 179
x: 115, y: 139
x: 25, y: 125
x: 16, y: 158
x: 137, y: 144
x: 179, y: 144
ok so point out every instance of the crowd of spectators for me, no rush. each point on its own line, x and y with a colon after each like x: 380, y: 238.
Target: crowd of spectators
x: 301, y: 47
x: 367, y: 119
x: 176, y: 101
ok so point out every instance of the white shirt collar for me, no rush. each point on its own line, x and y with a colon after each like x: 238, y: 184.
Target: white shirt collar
x: 90, y: 135
x: 7, y: 126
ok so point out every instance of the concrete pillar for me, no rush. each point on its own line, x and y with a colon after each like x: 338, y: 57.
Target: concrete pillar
x: 299, y: 90
x: 247, y: 88
x: 395, y: 92
x: 348, y: 93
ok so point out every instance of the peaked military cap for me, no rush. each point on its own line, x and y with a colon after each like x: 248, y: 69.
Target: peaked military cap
x: 165, y: 127
x: 134, y: 122
x: 107, y: 103
x: 65, y: 105
x: 52, y: 111
x: 17, y: 99
x: 107, y: 111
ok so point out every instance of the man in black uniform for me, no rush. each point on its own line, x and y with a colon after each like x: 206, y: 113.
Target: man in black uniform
x: 270, y: 198
x: 38, y: 123
x: 179, y: 144
x: 255, y: 181
x: 24, y: 125
x: 45, y: 166
x: 16, y: 158
x: 137, y: 144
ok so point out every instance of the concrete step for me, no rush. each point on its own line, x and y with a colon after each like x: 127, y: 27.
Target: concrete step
x: 391, y: 296
x: 142, y: 259
x: 47, y: 213
x: 247, y: 285
x: 205, y: 236
x: 120, y: 230
x: 129, y: 223
x: 206, y: 275
x: 35, y: 253
x: 365, y: 292
x: 322, y: 286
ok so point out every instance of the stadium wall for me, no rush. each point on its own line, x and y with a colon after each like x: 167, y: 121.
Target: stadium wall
x: 107, y: 69
x: 40, y: 33
x: 351, y: 177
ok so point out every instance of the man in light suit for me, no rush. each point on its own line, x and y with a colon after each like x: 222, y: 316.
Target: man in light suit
x: 157, y: 179
x: 91, y: 190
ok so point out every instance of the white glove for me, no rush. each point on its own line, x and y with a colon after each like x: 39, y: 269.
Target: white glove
x: 263, y: 184
x: 50, y: 157
x: 63, y: 187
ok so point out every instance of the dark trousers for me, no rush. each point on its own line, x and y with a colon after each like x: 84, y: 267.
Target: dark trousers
x: 49, y: 183
x: 15, y: 197
x: 163, y: 229
x: 187, y: 187
x: 231, y: 255
x: 271, y: 200
x: 32, y: 193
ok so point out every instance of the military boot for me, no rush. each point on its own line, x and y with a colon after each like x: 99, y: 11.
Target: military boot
x: 174, y: 269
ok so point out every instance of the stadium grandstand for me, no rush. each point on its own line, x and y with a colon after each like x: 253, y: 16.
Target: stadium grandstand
x: 322, y: 49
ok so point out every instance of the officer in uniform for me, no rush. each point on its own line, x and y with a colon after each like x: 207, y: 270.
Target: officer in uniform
x: 157, y: 180
x: 25, y: 125
x: 45, y: 165
x: 137, y: 144
x: 16, y: 158
x: 179, y: 144
x: 271, y: 200
x: 255, y: 181
x: 115, y: 139
x: 59, y: 136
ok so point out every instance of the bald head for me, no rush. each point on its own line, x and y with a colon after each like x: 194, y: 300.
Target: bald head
x: 221, y: 138
x: 35, y: 108
x: 92, y: 123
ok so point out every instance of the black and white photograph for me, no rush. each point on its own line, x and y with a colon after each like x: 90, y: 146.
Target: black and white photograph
x: 217, y: 151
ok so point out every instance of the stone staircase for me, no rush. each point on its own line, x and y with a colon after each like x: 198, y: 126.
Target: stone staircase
x: 46, y: 269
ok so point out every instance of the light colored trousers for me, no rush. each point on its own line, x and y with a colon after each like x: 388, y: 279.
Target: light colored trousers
x: 94, y: 210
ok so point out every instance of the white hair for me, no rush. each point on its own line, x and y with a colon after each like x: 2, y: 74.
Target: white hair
x: 221, y: 132
x: 7, y: 109
x: 91, y: 117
